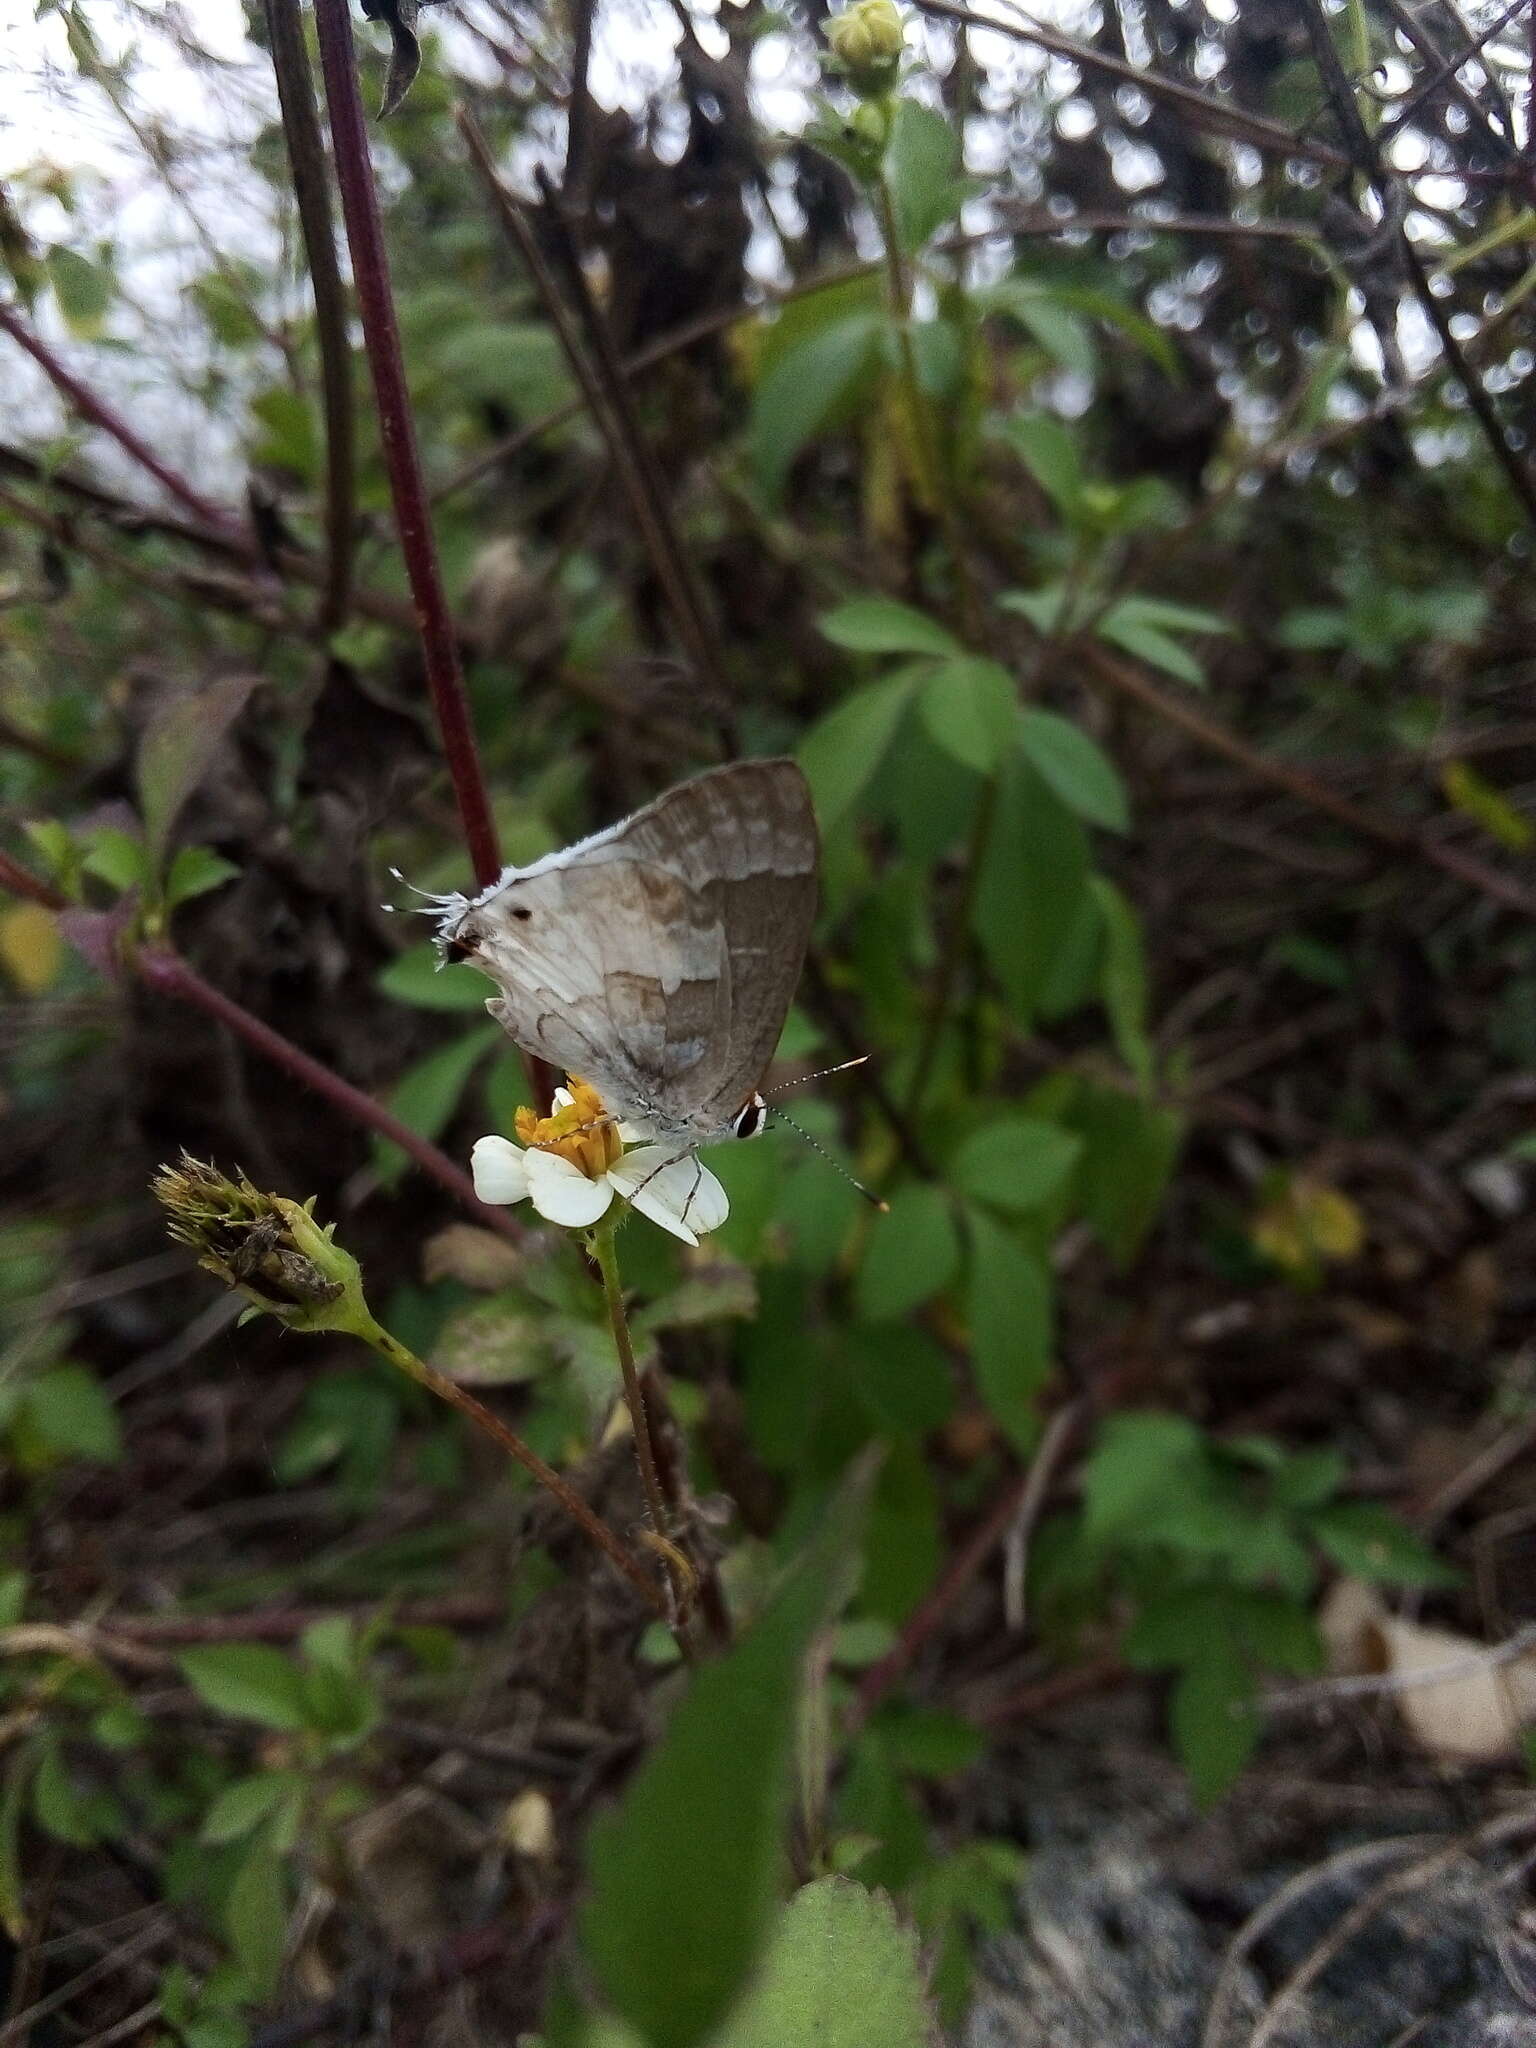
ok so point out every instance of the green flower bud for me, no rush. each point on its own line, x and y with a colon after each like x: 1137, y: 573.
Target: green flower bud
x: 867, y: 41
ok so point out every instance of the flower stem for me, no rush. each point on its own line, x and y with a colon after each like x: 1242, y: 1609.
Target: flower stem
x: 605, y: 1252
x: 448, y: 1390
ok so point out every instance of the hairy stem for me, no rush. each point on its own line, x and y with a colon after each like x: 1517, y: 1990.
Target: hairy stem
x: 397, y: 428
x: 508, y: 1440
x: 605, y: 1252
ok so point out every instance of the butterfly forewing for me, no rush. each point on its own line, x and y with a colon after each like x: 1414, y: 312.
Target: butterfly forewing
x: 658, y: 959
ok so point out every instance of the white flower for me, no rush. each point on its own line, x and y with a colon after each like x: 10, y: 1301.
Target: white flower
x: 571, y: 1164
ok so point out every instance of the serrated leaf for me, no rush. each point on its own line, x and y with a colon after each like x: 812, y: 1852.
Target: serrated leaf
x: 970, y: 708
x: 912, y: 1254
x: 879, y: 625
x: 841, y: 1972
x: 1076, y: 768
x: 1008, y: 1307
x: 1032, y: 887
x: 683, y: 1878
x: 1016, y: 1163
x: 250, y: 1680
x: 1049, y: 451
x: 1142, y: 1460
x: 842, y: 751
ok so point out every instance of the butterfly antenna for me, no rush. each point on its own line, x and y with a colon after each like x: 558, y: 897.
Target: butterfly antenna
x: 835, y: 1163
x: 804, y: 1080
x: 431, y: 905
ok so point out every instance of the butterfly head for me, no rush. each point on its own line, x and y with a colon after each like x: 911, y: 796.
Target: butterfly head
x: 750, y: 1118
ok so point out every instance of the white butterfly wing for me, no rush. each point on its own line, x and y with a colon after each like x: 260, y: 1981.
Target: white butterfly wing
x: 658, y: 959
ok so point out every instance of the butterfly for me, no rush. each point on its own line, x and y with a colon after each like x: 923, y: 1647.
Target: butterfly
x: 658, y: 959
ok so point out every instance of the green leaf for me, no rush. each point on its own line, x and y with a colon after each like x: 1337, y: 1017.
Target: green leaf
x: 902, y: 1545
x: 116, y: 858
x: 177, y: 750
x: 244, y: 1805
x: 879, y: 625
x: 801, y: 393
x: 1011, y: 1322
x: 1123, y: 977
x: 922, y: 163
x: 970, y: 707
x: 256, y: 1920
x: 1037, y: 307
x: 83, y: 290
x: 1141, y: 626
x: 73, y: 1415
x: 13, y: 1598
x: 1143, y: 1460
x: 1016, y: 1163
x: 913, y: 1253
x: 1032, y: 887
x: 57, y: 1801
x: 683, y: 1878
x: 841, y: 1972
x: 1049, y: 452
x: 1213, y: 1719
x: 842, y: 751
x: 194, y: 871
x: 902, y: 1375
x: 1369, y: 1541
x: 1076, y: 768
x: 1131, y: 1150
x: 250, y: 1680
x: 427, y: 1094
x: 929, y: 1741
x: 416, y: 978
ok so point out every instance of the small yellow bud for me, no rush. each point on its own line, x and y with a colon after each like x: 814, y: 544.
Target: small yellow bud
x: 867, y: 39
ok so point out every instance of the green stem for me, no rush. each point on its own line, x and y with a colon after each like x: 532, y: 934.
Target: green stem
x: 605, y: 1252
x: 448, y: 1390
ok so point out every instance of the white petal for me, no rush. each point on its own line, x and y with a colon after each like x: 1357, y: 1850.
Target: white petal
x: 562, y: 1099
x: 500, y: 1170
x: 562, y: 1193
x: 668, y: 1189
x: 710, y: 1205
x: 638, y: 1132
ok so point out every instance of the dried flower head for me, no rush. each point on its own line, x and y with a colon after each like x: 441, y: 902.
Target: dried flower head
x: 268, y: 1247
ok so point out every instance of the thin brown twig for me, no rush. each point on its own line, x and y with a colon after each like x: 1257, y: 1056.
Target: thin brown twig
x: 1365, y: 158
x: 171, y: 975
x: 99, y: 414
x: 1305, y: 788
x: 1202, y: 108
x: 311, y: 189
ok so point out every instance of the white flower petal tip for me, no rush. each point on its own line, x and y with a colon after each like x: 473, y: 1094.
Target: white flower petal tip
x: 500, y: 1171
x: 678, y: 1195
x: 562, y: 1193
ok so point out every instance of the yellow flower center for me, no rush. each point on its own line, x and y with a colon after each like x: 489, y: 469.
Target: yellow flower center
x: 582, y: 1132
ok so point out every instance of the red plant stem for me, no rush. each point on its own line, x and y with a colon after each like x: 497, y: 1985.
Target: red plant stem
x: 170, y: 974
x: 381, y: 336
x: 100, y: 414
x: 15, y: 878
